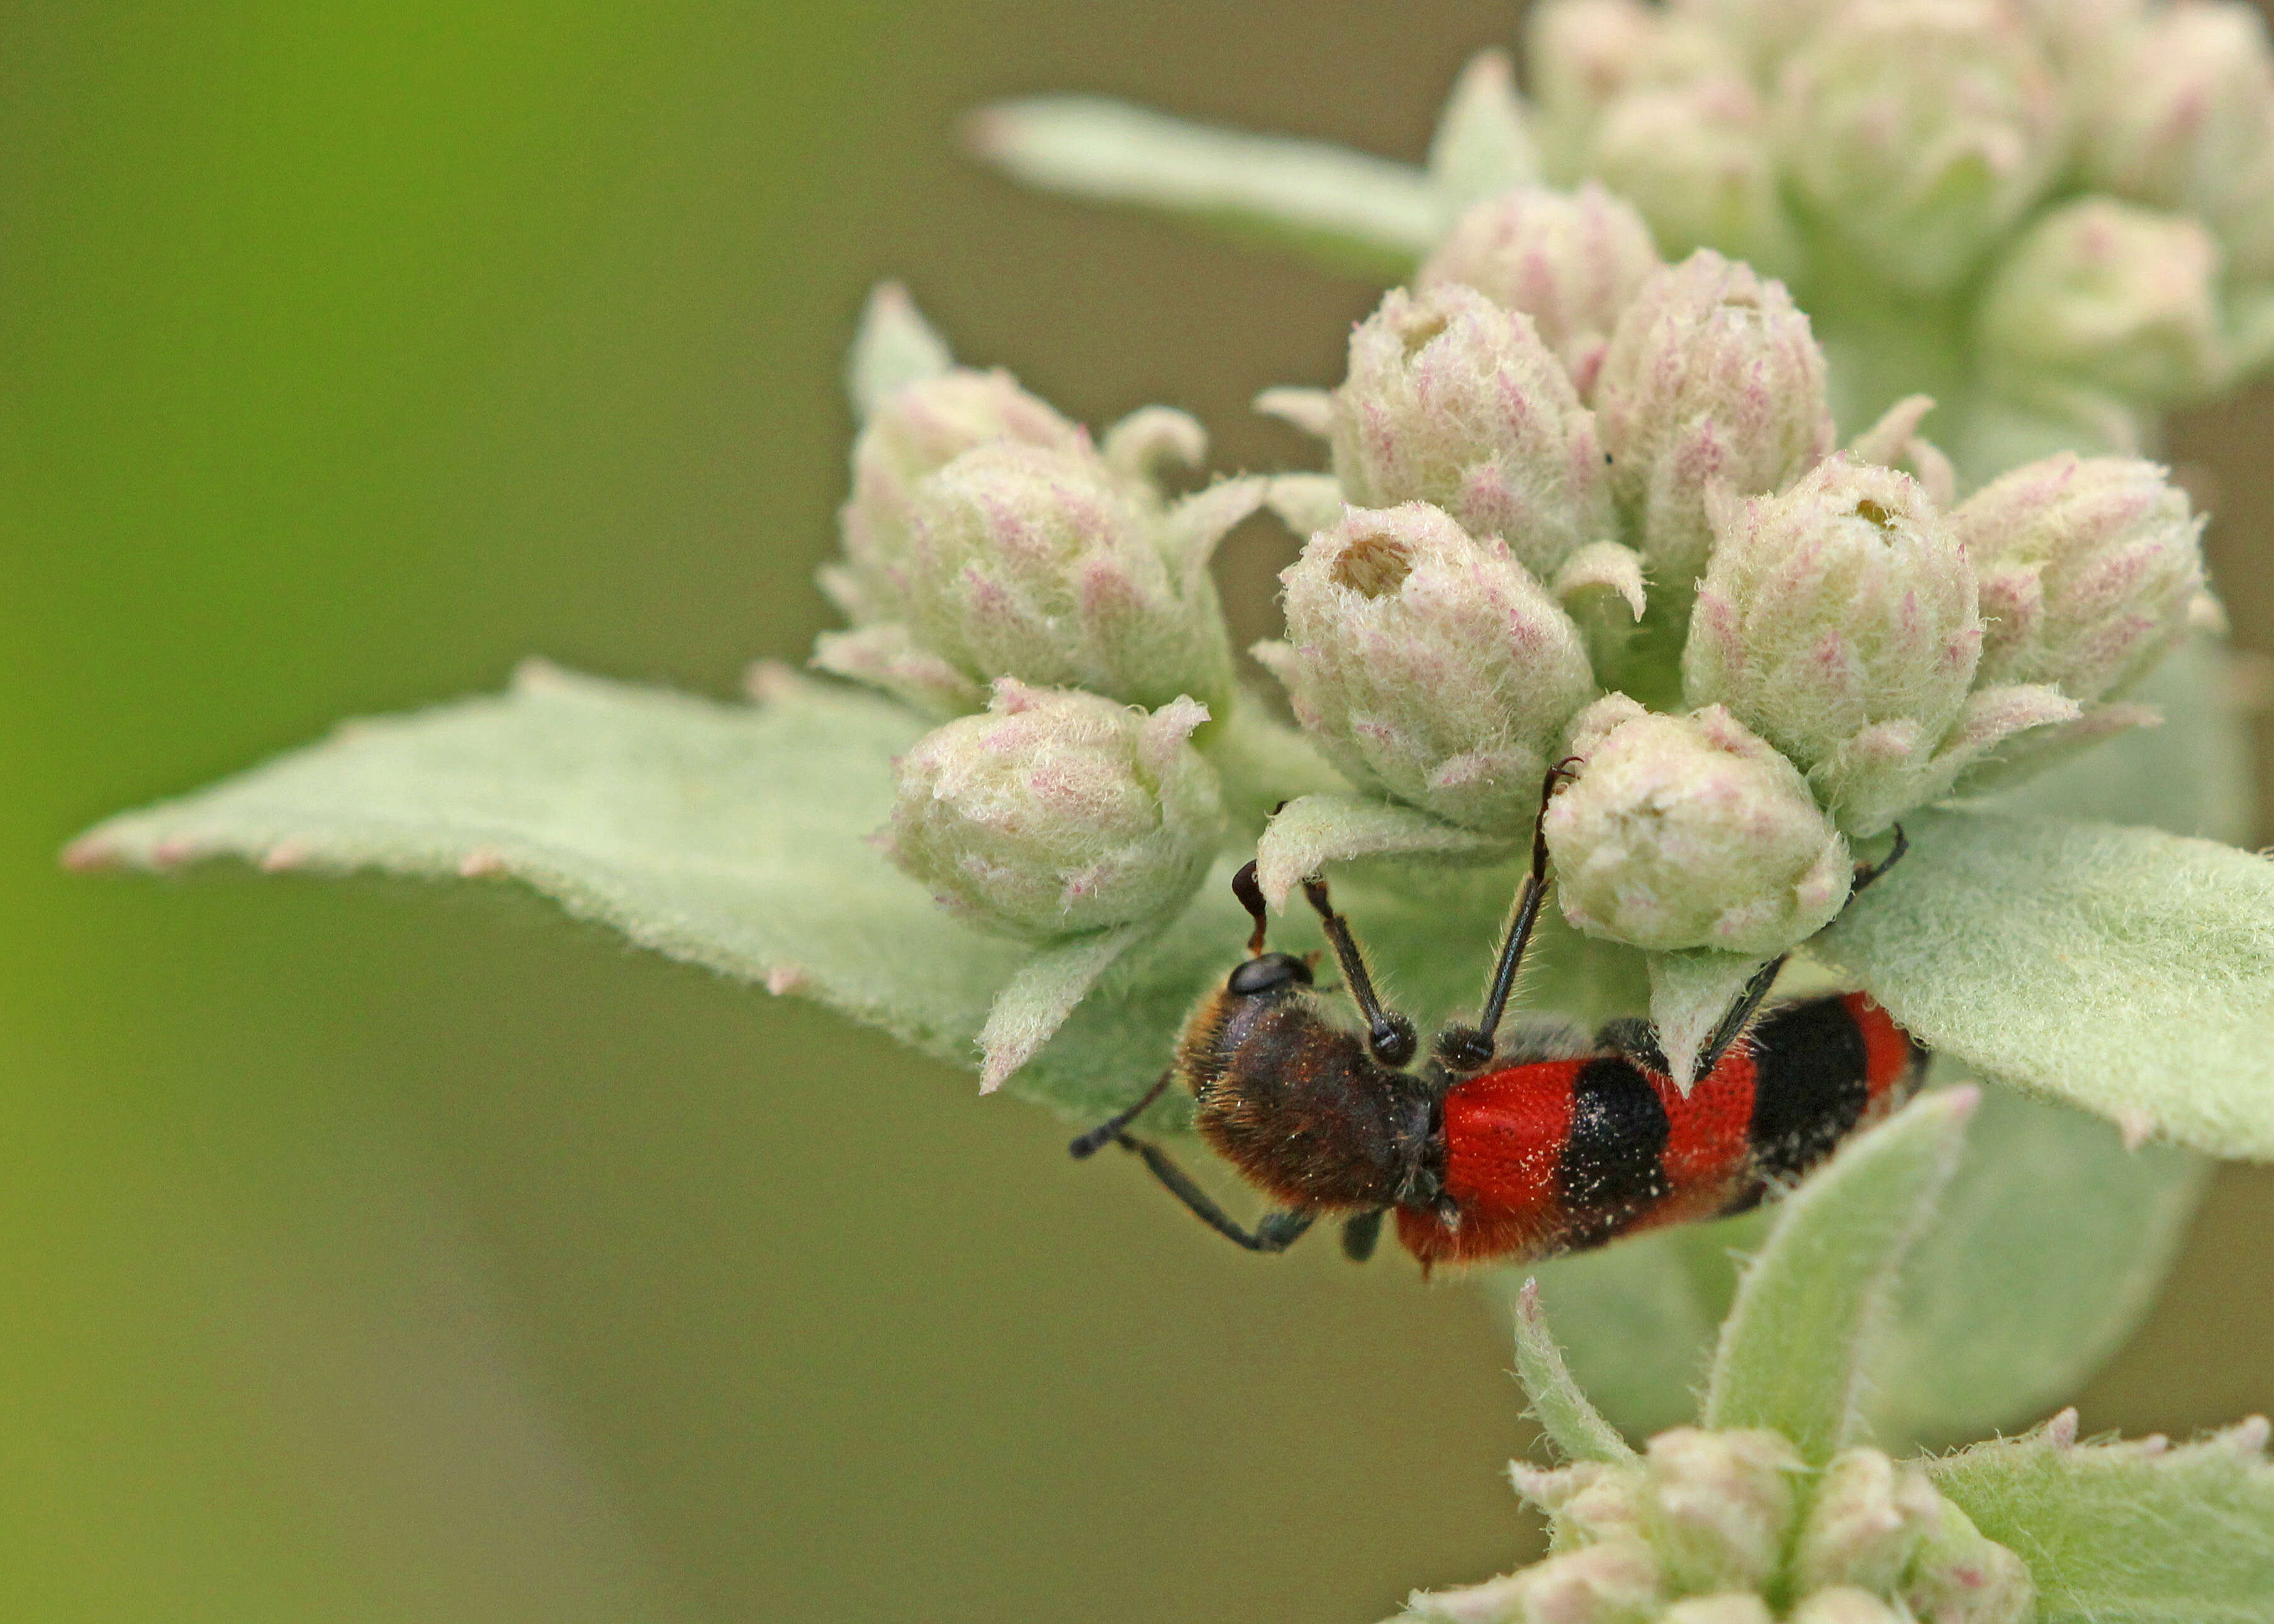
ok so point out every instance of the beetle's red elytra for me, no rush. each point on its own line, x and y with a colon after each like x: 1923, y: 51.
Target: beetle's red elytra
x: 1549, y: 1143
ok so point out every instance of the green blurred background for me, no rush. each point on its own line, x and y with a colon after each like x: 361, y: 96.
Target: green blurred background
x: 373, y: 1252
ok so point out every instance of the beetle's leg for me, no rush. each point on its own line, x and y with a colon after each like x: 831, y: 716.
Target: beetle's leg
x: 1865, y: 873
x: 1360, y: 1232
x: 1277, y: 1232
x: 1741, y: 1015
x: 1090, y: 1143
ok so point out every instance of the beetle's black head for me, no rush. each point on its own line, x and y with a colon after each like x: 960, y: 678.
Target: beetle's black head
x: 1269, y: 973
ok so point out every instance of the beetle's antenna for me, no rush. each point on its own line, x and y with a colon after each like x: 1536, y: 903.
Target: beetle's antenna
x: 1467, y: 1048
x: 1388, y: 1036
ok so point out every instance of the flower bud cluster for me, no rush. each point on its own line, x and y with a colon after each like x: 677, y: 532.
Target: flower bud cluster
x: 2091, y: 181
x: 1708, y: 1526
x: 987, y: 538
x: 1535, y: 512
x: 1057, y: 811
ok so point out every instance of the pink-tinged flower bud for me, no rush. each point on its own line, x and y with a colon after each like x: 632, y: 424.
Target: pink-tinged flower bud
x: 1921, y: 131
x: 1454, y: 401
x: 1963, y: 1577
x: 2089, y: 567
x: 1583, y: 54
x: 1845, y: 1604
x: 2180, y: 115
x: 914, y: 433
x: 2110, y: 295
x: 1043, y: 565
x: 1697, y: 159
x: 1571, y: 260
x: 1430, y: 665
x: 1056, y: 812
x: 1729, y: 1607
x: 1686, y: 832
x: 1615, y: 1582
x: 1762, y: 32
x: 1866, y: 1523
x: 1844, y: 609
x: 1713, y: 383
x: 1719, y: 1507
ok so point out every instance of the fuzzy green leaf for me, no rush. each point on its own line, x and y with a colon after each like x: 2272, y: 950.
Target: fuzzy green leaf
x: 1572, y: 1423
x: 734, y: 836
x: 1352, y: 210
x: 2129, y: 1533
x: 2128, y: 972
x: 2043, y: 1253
x: 1791, y: 1353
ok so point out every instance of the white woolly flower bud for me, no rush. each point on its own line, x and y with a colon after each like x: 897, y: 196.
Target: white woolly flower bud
x: 1041, y: 565
x: 1713, y: 382
x: 1845, y: 1604
x: 1430, y: 665
x: 2089, y: 567
x: 2113, y: 294
x: 1697, y: 159
x: 914, y: 433
x: 1729, y: 1607
x: 1719, y: 1507
x: 1571, y: 260
x: 1691, y: 832
x: 1583, y: 54
x: 1866, y: 1523
x: 1922, y: 129
x: 1454, y: 401
x: 1058, y: 812
x: 1615, y: 1582
x: 1843, y: 610
x: 1962, y: 1577
x: 1763, y: 31
x: 2181, y: 116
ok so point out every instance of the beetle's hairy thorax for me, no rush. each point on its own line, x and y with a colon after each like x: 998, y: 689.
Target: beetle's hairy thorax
x: 1297, y: 1105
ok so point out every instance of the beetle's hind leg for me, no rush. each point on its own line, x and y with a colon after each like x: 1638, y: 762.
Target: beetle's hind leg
x: 1361, y: 1233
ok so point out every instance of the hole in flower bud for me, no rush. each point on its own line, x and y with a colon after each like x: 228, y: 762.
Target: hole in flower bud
x: 1372, y: 566
x: 1419, y: 330
x: 1871, y: 510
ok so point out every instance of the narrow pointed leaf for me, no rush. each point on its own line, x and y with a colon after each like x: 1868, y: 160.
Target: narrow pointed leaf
x: 1350, y: 208
x: 1791, y: 1353
x: 2127, y: 972
x: 1318, y: 830
x: 1639, y: 1318
x: 1572, y: 1424
x: 1041, y: 993
x: 894, y: 347
x: 1690, y: 994
x: 2129, y: 1533
x: 1483, y: 144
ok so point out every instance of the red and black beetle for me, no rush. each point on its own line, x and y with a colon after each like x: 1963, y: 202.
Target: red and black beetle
x: 1546, y: 1144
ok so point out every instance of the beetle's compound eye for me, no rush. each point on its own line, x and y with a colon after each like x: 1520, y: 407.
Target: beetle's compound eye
x: 1269, y: 973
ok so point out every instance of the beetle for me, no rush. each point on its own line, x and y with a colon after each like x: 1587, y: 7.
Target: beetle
x: 1544, y: 1145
